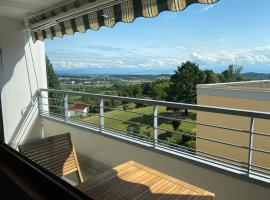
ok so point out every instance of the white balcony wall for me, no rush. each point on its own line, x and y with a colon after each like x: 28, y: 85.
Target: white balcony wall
x: 102, y: 151
x: 22, y: 72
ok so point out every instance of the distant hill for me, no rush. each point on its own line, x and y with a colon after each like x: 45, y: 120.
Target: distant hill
x: 256, y: 76
x: 120, y: 71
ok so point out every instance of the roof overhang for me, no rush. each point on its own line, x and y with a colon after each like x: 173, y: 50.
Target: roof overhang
x: 19, y: 8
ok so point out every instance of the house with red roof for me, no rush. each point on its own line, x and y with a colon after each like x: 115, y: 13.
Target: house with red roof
x: 78, y: 109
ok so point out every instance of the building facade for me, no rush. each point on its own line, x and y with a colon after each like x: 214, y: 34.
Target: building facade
x: 251, y: 95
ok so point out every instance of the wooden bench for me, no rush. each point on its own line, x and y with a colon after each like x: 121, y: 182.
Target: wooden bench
x: 134, y: 181
x: 56, y: 154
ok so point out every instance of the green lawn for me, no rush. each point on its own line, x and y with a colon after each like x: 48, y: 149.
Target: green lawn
x: 146, y: 117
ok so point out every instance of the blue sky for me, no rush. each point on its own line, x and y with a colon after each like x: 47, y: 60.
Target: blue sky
x: 214, y: 36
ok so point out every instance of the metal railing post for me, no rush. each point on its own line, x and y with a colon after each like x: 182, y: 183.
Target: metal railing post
x: 66, y: 106
x: 155, y: 111
x: 250, y: 147
x: 101, y: 111
x: 39, y: 98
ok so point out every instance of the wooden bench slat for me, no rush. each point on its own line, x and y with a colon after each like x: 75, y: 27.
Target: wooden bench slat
x: 45, y: 141
x: 39, y: 156
x: 46, y: 146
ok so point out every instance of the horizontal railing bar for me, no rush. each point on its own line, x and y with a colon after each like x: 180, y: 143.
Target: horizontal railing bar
x: 52, y: 115
x: 261, y: 134
x: 88, y: 104
x: 128, y: 111
x: 222, y: 142
x: 207, y: 139
x: 260, y: 150
x: 54, y: 106
x: 70, y: 119
x: 84, y: 123
x: 54, y: 99
x: 127, y: 133
x: 208, y: 159
x: 211, y: 109
x: 262, y: 172
x: 261, y: 167
x: 203, y: 152
x: 182, y: 133
x: 205, y: 124
x: 91, y: 113
x: 127, y: 121
x: 259, y: 173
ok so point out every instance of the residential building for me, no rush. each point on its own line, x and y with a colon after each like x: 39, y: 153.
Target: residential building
x: 247, y: 95
x: 78, y: 109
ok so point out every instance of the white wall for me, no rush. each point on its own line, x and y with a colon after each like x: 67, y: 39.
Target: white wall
x: 20, y: 76
x: 111, y: 152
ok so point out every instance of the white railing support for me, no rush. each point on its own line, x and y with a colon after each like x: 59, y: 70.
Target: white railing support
x: 39, y: 98
x: 101, y: 110
x: 250, y: 147
x: 155, y: 112
x: 66, y: 106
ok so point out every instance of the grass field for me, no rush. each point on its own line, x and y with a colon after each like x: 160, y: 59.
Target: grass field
x: 143, y: 115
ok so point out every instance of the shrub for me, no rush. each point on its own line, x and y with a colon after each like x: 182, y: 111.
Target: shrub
x: 176, y: 138
x: 191, y: 144
x: 165, y: 135
x: 134, y: 129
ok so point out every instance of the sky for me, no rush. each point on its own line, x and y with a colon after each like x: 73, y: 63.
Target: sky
x: 213, y: 36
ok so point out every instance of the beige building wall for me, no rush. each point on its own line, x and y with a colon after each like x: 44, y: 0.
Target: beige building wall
x: 242, y: 98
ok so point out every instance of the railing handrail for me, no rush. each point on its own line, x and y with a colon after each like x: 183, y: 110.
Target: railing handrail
x: 197, y: 107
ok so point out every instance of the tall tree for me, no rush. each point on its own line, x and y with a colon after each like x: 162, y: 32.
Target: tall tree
x: 232, y: 74
x: 159, y: 89
x: 183, y: 84
x: 53, y: 83
x: 209, y: 77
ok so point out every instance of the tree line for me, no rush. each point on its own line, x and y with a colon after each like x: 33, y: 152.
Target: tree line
x: 181, y: 87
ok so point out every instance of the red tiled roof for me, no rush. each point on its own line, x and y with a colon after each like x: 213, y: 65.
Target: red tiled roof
x: 78, y: 106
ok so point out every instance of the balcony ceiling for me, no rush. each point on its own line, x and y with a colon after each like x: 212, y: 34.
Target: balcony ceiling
x: 19, y: 8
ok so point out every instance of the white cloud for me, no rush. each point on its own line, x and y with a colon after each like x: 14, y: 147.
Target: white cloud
x: 159, y: 58
x: 62, y: 60
x: 246, y: 57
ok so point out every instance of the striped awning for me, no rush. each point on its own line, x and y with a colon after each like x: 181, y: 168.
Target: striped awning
x: 88, y: 14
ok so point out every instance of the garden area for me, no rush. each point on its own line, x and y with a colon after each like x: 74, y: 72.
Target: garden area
x: 129, y: 119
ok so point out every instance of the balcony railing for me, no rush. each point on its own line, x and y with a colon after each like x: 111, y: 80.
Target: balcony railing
x: 152, y: 124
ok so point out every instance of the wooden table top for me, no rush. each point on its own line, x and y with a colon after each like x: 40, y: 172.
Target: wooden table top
x: 134, y: 181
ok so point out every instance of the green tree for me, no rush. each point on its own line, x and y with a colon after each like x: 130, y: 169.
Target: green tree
x: 232, y: 74
x: 53, y: 83
x: 176, y: 124
x: 183, y: 84
x: 147, y: 89
x: 209, y: 77
x: 159, y: 90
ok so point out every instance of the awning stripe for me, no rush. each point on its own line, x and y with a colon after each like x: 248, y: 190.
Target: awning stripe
x: 126, y: 11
